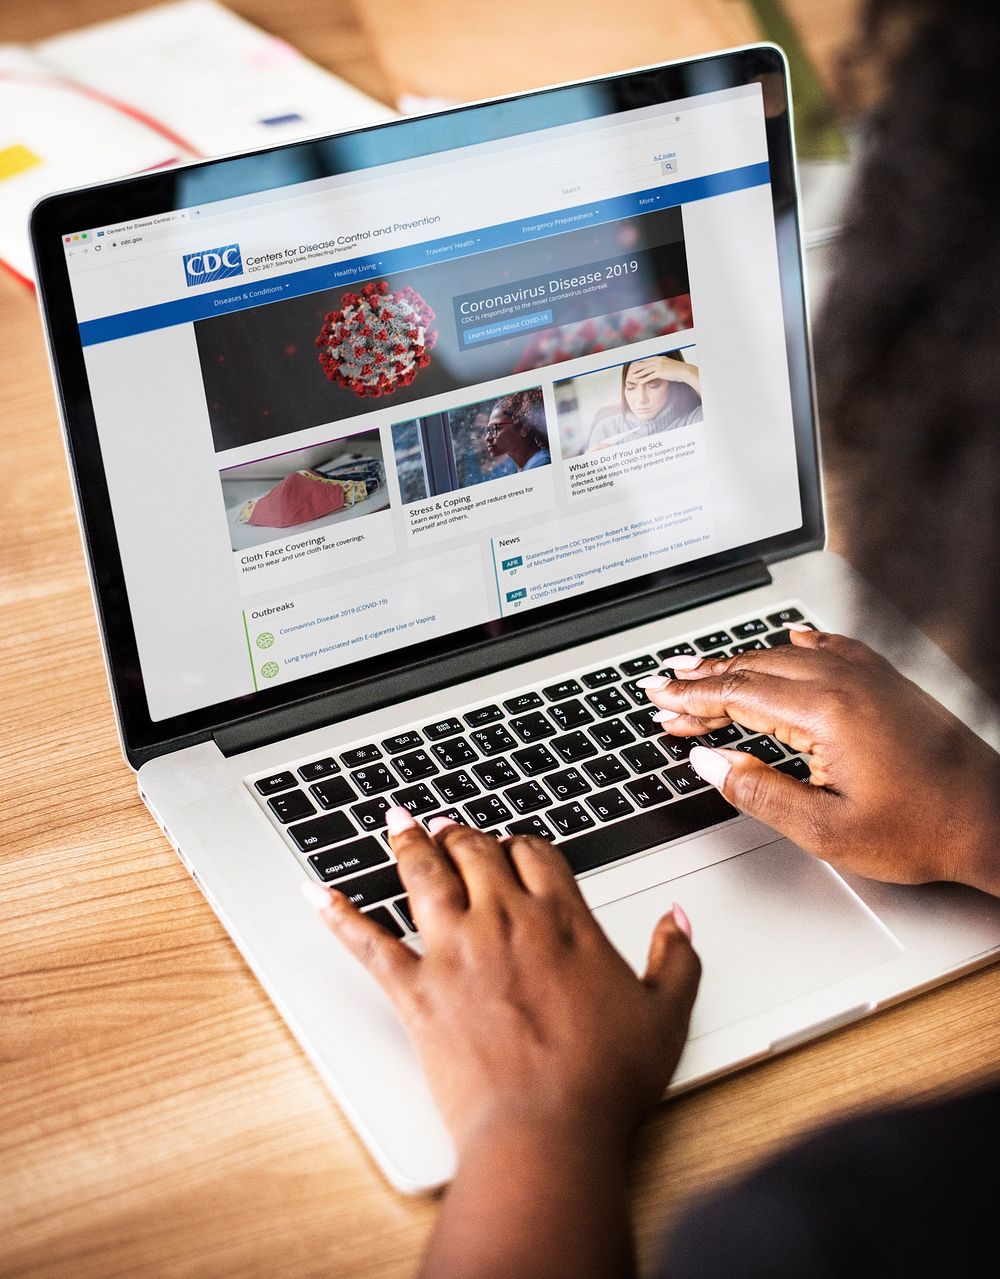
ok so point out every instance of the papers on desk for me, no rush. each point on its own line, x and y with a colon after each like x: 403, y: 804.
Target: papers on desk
x: 169, y: 84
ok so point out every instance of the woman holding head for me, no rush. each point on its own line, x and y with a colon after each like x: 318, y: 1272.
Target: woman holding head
x: 516, y: 429
x: 658, y: 393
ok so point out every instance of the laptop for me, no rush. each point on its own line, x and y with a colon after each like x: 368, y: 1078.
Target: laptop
x: 401, y: 457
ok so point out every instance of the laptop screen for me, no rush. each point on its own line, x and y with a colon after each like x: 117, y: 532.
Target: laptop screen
x: 348, y: 414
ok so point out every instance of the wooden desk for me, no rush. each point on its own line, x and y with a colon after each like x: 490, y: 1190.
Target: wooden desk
x: 156, y: 1117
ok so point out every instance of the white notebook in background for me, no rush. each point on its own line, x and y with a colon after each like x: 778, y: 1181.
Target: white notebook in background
x: 168, y: 84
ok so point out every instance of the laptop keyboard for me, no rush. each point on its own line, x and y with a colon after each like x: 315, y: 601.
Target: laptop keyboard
x: 580, y: 762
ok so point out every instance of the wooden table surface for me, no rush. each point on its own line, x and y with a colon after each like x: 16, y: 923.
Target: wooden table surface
x: 156, y: 1117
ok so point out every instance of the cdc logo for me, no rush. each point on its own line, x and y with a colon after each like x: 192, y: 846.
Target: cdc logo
x: 212, y: 264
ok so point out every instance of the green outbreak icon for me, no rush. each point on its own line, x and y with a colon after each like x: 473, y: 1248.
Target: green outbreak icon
x: 269, y: 670
x: 265, y: 639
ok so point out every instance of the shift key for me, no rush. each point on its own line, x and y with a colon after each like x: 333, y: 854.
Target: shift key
x: 349, y: 858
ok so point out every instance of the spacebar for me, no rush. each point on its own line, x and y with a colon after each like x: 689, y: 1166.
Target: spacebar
x: 646, y: 830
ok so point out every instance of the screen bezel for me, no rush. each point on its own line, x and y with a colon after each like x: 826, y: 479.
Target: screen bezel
x: 152, y: 194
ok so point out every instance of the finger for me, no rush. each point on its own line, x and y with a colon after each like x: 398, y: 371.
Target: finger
x: 803, y: 813
x: 390, y: 962
x: 761, y: 702
x: 673, y: 968
x: 542, y: 868
x: 687, y: 725
x: 481, y: 860
x: 437, y: 894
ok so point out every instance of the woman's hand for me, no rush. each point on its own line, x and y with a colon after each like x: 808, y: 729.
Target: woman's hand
x: 662, y: 367
x: 900, y: 789
x: 542, y: 1048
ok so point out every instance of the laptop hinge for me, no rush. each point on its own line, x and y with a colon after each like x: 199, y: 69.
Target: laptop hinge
x: 484, y: 658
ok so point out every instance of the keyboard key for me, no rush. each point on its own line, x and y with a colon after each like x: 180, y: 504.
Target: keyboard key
x: 565, y: 688
x: 779, y: 638
x: 442, y: 728
x: 412, y: 767
x: 531, y: 728
x: 569, y: 819
x: 534, y: 760
x: 418, y: 799
x: 612, y: 734
x: 677, y: 748
x: 786, y: 615
x: 455, y: 753
x: 452, y: 814
x: 360, y: 755
x: 494, y: 773
x: 373, y: 780
x: 530, y: 826
x: 795, y: 768
x: 608, y: 805
x: 570, y: 714
x: 743, y: 630
x: 606, y: 770
x: 566, y: 784
x: 403, y: 906
x: 484, y: 715
x: 643, y: 723
x: 716, y: 639
x: 291, y: 807
x: 573, y: 746
x: 456, y: 786
x: 647, y: 830
x: 765, y: 748
x: 527, y: 797
x: 684, y: 779
x: 639, y: 665
x: 722, y: 736
x: 384, y: 917
x: 487, y: 811
x: 637, y: 694
x: 608, y: 701
x: 493, y: 740
x: 747, y: 647
x: 376, y: 886
x: 334, y: 828
x: 648, y: 791
x: 318, y: 768
x: 276, y: 782
x: 402, y: 742
x: 334, y: 792
x: 598, y: 679
x: 371, y: 814
x: 523, y: 702
x: 643, y: 757
x: 675, y: 650
x: 363, y: 854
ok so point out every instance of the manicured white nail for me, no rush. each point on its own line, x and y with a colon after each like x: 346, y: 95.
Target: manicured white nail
x: 315, y: 894
x: 654, y: 682
x: 709, y: 764
x: 796, y: 626
x: 398, y: 819
x: 440, y: 823
x: 681, y: 919
x: 665, y: 717
x: 686, y: 662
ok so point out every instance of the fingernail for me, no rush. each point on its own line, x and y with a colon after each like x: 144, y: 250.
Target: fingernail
x: 440, y: 823
x: 398, y: 819
x: 664, y: 717
x: 711, y: 765
x: 652, y: 681
x: 315, y: 894
x: 686, y: 662
x: 681, y: 919
x: 795, y: 626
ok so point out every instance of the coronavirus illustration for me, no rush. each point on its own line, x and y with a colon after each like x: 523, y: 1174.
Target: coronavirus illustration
x: 379, y: 339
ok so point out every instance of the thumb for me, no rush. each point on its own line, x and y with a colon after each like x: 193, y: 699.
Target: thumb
x: 794, y: 808
x: 673, y: 969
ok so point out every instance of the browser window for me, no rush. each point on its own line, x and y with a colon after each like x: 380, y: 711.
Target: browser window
x: 347, y: 416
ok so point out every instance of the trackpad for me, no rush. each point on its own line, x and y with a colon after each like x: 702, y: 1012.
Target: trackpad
x: 769, y: 925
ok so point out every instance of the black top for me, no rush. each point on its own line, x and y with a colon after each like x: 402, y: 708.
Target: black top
x: 907, y: 1192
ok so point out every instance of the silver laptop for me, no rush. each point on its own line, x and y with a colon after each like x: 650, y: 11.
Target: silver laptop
x: 401, y: 456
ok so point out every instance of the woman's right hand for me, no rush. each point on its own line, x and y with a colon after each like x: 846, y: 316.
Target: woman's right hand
x: 900, y: 790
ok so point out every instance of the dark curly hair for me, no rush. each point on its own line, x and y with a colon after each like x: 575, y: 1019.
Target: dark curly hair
x: 526, y: 410
x: 908, y: 345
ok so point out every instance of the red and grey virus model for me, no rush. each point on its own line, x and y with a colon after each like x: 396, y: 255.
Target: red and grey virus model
x: 378, y: 340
